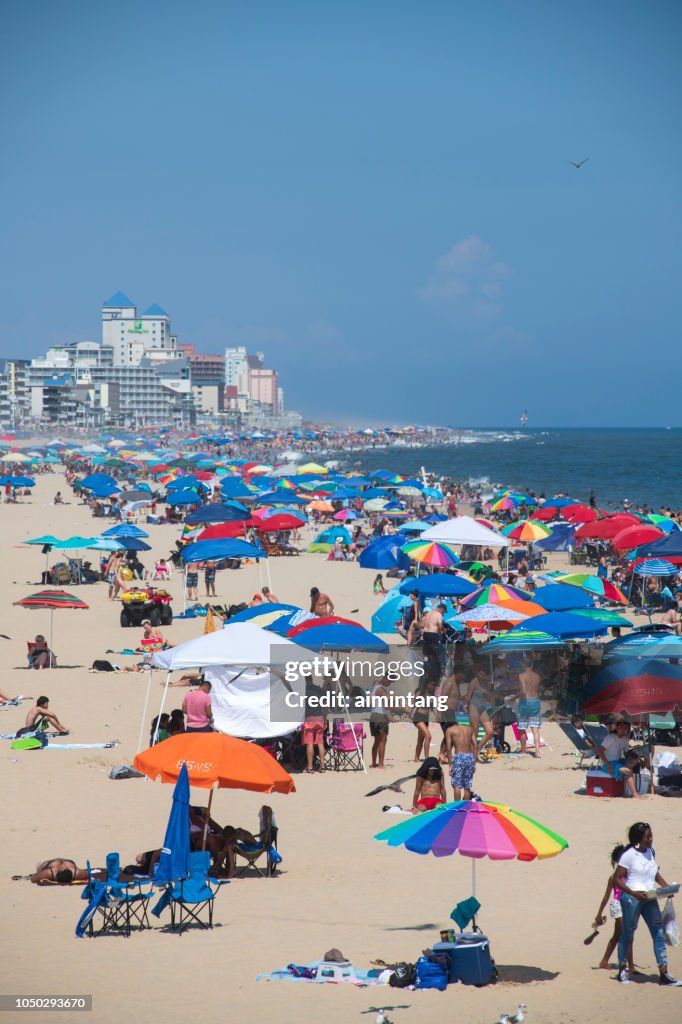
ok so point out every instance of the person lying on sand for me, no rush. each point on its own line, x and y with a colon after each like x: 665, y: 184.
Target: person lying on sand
x: 61, y: 870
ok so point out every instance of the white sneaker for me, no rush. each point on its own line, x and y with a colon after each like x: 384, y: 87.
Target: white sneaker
x: 623, y: 977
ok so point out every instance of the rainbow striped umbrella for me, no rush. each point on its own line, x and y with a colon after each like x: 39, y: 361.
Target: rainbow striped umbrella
x: 527, y: 530
x: 506, y: 502
x: 475, y: 829
x: 51, y: 599
x: 429, y: 553
x: 494, y: 593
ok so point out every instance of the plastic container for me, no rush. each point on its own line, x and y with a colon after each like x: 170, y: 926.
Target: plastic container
x: 470, y: 960
x: 602, y: 784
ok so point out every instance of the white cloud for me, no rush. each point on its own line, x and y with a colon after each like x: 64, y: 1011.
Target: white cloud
x: 466, y: 284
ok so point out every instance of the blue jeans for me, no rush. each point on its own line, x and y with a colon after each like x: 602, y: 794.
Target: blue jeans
x: 651, y: 912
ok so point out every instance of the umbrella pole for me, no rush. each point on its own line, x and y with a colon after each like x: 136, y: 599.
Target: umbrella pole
x: 473, y: 876
x: 184, y: 587
x: 144, y: 712
x: 163, y: 701
x: 51, y: 655
x: 208, y: 815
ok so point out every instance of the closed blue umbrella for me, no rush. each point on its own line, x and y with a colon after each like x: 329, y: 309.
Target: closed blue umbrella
x: 173, y: 864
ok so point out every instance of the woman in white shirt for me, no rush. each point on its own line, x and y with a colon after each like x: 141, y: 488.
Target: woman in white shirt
x: 636, y: 875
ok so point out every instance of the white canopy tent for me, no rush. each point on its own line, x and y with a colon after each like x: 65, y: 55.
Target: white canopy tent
x: 465, y: 530
x: 246, y: 666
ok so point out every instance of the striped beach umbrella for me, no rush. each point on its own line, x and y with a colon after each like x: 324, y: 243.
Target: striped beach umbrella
x: 527, y: 531
x: 505, y: 503
x: 475, y: 830
x: 527, y: 641
x: 429, y: 553
x: 52, y: 600
x: 494, y: 593
x: 594, y: 585
x: 655, y: 567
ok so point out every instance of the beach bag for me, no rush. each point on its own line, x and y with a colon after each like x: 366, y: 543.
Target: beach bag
x: 431, y: 973
x: 670, y: 926
x: 100, y: 665
x: 403, y: 976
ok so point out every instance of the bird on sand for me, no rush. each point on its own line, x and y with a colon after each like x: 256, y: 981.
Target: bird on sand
x: 519, y: 1016
x: 579, y: 165
x: 395, y: 787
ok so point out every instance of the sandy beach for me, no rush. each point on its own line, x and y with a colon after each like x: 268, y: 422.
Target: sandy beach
x: 337, y: 888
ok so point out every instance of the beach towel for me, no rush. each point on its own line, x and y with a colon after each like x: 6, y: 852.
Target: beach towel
x: 306, y: 973
x: 82, y: 746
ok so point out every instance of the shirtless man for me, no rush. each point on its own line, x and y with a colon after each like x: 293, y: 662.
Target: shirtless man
x: 415, y: 616
x: 450, y: 691
x: 530, y: 710
x: 463, y: 762
x: 429, y: 790
x: 40, y: 717
x: 320, y: 604
x: 476, y: 701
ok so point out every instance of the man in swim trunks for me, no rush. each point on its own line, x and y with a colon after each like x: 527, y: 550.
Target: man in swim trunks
x: 530, y: 709
x: 40, y: 717
x: 460, y: 737
x: 429, y: 791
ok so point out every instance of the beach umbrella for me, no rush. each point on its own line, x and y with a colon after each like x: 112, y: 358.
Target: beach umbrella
x: 321, y: 506
x: 526, y: 531
x: 385, y: 553
x: 375, y: 504
x: 655, y: 567
x: 347, y: 515
x: 594, y: 585
x: 184, y: 497
x: 579, y: 514
x: 415, y: 526
x: 336, y: 636
x: 427, y: 553
x: 635, y: 536
x: 604, y: 615
x: 133, y: 543
x: 438, y: 584
x: 125, y: 530
x: 563, y: 624
x: 645, y: 645
x: 664, y: 523
x: 173, y: 863
x: 559, y: 597
x: 388, y: 614
x: 475, y: 829
x: 532, y: 640
x: 494, y: 593
x: 505, y: 503
x: 203, y: 550
x: 104, y: 544
x: 606, y: 529
x: 635, y: 687
x: 45, y: 539
x: 219, y: 512
x: 496, y: 616
x: 140, y: 495
x: 221, y: 531
x: 275, y: 523
x: 53, y: 600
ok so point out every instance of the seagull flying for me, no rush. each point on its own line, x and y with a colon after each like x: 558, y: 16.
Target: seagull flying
x: 396, y: 786
x: 579, y: 165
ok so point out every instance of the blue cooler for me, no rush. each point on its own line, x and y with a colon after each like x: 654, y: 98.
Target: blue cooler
x: 470, y: 959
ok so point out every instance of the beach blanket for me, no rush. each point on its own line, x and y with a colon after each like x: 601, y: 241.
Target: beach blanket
x: 81, y: 746
x: 306, y: 973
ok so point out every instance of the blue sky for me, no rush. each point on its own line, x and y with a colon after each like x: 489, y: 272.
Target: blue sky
x: 374, y: 192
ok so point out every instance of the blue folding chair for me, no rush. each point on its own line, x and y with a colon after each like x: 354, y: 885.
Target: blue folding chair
x: 191, y: 899
x: 116, y: 906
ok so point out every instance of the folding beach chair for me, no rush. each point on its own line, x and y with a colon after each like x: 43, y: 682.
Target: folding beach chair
x: 117, y: 906
x: 346, y: 746
x: 596, y: 732
x: 265, y: 848
x: 191, y: 899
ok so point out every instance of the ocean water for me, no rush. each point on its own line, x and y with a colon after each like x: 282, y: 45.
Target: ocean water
x: 643, y: 465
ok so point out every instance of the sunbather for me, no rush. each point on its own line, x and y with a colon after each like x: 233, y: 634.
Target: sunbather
x: 60, y: 870
x: 40, y: 655
x: 41, y: 718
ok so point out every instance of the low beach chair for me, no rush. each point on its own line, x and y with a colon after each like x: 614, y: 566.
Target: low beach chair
x: 264, y: 849
x: 582, y: 746
x: 115, y: 905
x: 191, y: 899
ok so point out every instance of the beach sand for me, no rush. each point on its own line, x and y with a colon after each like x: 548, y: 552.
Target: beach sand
x: 338, y: 887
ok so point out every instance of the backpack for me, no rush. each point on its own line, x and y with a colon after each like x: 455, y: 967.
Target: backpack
x: 101, y: 665
x: 403, y: 976
x: 432, y: 973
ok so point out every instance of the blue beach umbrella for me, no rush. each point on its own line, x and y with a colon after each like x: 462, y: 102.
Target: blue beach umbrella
x: 124, y: 530
x: 338, y: 636
x: 559, y: 597
x: 655, y: 567
x: 438, y: 584
x: 202, y: 550
x: 173, y: 864
x: 384, y: 553
x: 562, y: 624
x: 219, y: 512
x: 388, y: 614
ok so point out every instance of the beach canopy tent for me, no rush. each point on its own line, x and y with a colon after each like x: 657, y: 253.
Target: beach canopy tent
x: 635, y: 687
x: 389, y: 613
x: 385, y: 553
x: 201, y: 550
x: 669, y: 547
x: 559, y: 597
x: 251, y: 671
x: 465, y: 530
x: 438, y: 584
x: 564, y: 625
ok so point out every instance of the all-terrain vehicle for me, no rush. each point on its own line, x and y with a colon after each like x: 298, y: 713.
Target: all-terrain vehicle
x: 141, y: 603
